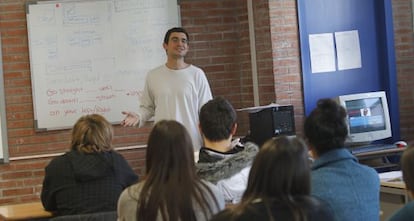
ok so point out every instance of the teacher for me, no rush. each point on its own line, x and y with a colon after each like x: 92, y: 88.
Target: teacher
x: 175, y: 90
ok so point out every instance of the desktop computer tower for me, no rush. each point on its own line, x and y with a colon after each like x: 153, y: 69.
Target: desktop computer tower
x: 270, y: 122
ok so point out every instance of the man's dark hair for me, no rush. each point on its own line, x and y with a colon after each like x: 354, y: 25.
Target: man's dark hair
x: 217, y: 119
x: 175, y: 29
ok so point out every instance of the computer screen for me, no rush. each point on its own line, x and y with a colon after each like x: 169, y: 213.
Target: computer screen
x: 367, y: 117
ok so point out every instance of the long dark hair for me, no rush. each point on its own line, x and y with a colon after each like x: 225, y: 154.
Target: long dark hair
x: 279, y: 172
x: 171, y: 187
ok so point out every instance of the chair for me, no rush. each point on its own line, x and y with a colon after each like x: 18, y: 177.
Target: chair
x: 100, y: 216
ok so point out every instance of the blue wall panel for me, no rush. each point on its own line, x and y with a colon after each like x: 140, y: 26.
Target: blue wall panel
x: 373, y: 21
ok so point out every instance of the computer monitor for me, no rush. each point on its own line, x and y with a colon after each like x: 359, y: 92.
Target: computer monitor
x: 368, y: 117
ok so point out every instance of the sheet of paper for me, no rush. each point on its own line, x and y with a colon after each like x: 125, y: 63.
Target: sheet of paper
x: 348, y: 50
x: 391, y: 176
x: 322, y: 52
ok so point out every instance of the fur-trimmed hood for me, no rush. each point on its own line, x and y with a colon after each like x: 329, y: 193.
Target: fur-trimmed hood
x: 226, y: 167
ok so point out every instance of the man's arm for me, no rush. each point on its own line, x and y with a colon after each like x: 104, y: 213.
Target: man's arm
x: 146, y: 110
x: 204, y: 90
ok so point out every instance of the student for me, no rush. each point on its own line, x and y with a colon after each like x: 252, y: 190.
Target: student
x: 407, y: 164
x: 175, y: 90
x: 278, y: 186
x: 220, y: 161
x: 91, y: 176
x: 171, y: 189
x: 351, y: 189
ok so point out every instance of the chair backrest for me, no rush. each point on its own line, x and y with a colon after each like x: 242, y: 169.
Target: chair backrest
x: 101, y: 216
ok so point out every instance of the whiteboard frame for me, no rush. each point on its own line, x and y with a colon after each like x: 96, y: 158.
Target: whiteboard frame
x: 4, y: 149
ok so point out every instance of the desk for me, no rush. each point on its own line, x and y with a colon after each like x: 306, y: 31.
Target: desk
x: 378, y: 159
x: 379, y: 153
x: 23, y: 211
x: 393, y: 196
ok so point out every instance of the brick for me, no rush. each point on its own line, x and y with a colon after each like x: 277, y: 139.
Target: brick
x: 16, y: 175
x: 17, y: 192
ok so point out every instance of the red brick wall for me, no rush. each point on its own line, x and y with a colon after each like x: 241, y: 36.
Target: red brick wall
x: 286, y: 57
x: 219, y: 35
x: 219, y: 44
x: 404, y: 53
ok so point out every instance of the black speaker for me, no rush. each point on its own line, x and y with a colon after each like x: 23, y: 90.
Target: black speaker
x: 270, y: 122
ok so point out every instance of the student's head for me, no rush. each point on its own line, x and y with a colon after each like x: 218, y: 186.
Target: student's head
x: 407, y: 165
x: 92, y: 133
x: 169, y: 151
x: 217, y: 119
x: 325, y: 128
x: 281, y: 169
x: 172, y: 30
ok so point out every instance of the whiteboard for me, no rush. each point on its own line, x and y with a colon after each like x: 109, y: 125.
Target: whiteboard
x: 92, y: 56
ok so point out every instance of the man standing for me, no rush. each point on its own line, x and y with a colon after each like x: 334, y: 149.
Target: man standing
x: 173, y: 91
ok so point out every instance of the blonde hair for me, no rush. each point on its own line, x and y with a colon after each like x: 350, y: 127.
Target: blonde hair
x: 92, y: 133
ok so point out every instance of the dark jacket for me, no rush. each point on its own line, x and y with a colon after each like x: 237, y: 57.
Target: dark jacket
x: 314, y: 210
x: 77, y: 183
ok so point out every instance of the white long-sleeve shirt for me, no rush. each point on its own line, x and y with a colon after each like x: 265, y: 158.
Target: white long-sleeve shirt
x: 175, y: 95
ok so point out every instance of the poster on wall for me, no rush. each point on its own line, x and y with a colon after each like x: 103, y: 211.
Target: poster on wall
x: 348, y: 51
x: 322, y: 52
